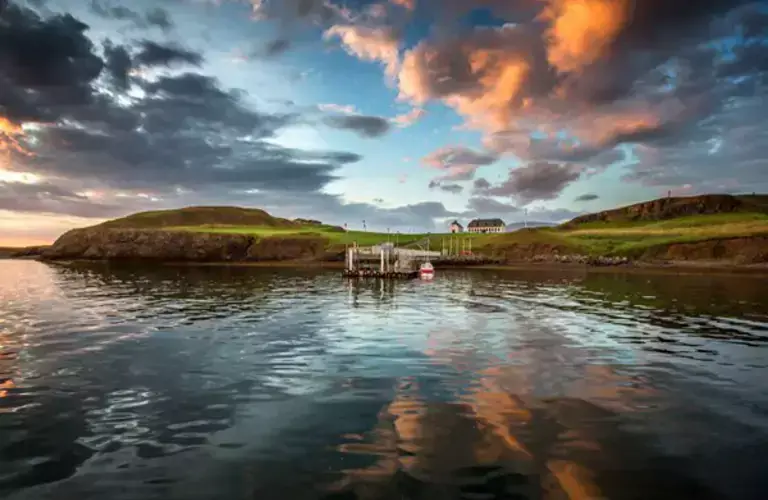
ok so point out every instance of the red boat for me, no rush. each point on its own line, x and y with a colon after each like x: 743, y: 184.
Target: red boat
x: 426, y: 271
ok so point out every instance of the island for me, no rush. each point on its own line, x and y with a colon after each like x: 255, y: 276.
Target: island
x: 706, y: 230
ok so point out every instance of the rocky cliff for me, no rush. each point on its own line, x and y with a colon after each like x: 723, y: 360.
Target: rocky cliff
x: 180, y: 246
x: 670, y: 208
x: 750, y: 250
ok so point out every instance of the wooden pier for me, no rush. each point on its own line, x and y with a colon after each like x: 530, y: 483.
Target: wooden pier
x: 370, y: 273
x: 384, y: 262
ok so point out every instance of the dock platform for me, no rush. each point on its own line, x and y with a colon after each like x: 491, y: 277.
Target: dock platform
x: 371, y: 273
x: 382, y: 262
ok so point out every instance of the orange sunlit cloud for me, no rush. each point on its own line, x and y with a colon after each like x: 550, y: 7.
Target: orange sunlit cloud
x: 369, y: 44
x: 500, y: 75
x: 582, y: 30
x: 9, y: 137
x: 409, y: 118
x: 408, y: 4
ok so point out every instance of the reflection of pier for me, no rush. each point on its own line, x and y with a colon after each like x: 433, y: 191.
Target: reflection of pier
x: 386, y: 261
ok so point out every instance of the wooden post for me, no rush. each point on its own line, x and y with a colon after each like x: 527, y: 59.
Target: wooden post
x: 381, y: 266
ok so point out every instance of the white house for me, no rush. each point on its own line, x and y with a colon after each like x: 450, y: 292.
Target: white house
x: 486, y: 226
x: 455, y: 227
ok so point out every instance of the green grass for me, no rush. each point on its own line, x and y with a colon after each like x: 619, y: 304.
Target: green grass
x: 618, y: 237
x: 633, y: 238
x: 597, y: 238
x: 333, y: 235
x: 198, y: 217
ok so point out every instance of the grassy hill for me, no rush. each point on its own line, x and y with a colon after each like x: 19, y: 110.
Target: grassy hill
x: 200, y: 216
x: 676, y: 207
x: 628, y: 231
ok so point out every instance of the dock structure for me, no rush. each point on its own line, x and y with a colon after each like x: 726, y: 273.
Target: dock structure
x: 456, y: 246
x: 384, y: 261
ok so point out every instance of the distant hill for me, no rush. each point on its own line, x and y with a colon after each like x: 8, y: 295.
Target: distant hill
x: 673, y: 207
x: 521, y: 225
x: 199, y: 216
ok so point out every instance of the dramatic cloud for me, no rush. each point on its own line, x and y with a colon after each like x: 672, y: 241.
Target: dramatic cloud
x: 536, y: 181
x: 157, y: 17
x: 485, y: 76
x: 581, y: 31
x: 409, y: 118
x: 44, y: 66
x: 370, y: 44
x: 156, y: 54
x: 183, y: 133
x: 458, y: 163
x: 118, y: 64
x: 286, y: 12
x: 668, y: 95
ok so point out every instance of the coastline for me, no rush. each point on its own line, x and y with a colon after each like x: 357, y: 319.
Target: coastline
x: 671, y: 268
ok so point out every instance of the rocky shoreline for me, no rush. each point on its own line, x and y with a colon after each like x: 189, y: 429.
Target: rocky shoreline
x: 148, y: 245
x: 182, y: 246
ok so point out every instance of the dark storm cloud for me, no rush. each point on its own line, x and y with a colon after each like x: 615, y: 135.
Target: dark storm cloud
x: 159, y: 17
x: 536, y: 181
x: 657, y: 31
x: 157, y: 54
x: 44, y: 65
x: 448, y: 188
x: 363, y: 125
x: 657, y: 83
x: 728, y: 154
x: 118, y: 64
x: 287, y: 12
x: 481, y: 184
x: 108, y: 10
x: 587, y: 197
x: 156, y: 17
x: 184, y: 133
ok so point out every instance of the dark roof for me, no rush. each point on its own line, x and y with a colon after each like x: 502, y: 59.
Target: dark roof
x: 486, y: 223
x: 456, y: 223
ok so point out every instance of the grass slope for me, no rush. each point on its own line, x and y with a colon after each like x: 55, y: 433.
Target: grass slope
x: 614, y: 236
x: 633, y: 238
x: 200, y: 216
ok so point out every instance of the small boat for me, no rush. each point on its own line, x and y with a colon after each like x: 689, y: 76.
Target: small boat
x: 426, y: 271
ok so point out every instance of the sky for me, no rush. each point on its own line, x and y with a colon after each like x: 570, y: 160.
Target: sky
x: 402, y: 115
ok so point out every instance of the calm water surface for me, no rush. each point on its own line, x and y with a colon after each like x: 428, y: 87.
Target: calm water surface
x: 213, y: 383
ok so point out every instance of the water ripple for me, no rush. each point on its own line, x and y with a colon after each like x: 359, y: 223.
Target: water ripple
x: 178, y: 382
